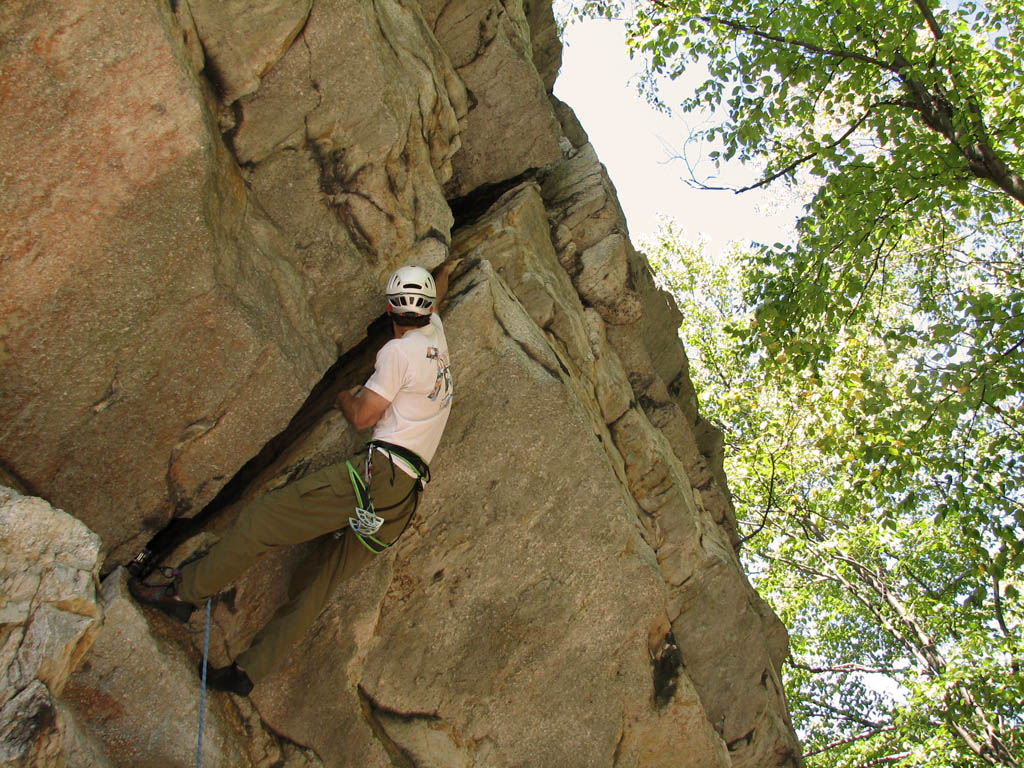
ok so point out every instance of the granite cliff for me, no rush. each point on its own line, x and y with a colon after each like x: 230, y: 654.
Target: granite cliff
x: 200, y: 202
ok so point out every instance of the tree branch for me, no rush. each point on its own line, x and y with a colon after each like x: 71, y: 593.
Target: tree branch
x: 791, y: 167
x: 767, y: 505
x: 929, y: 18
x: 851, y: 740
x: 990, y: 747
x: 836, y: 53
x: 939, y: 114
x: 884, y: 760
x: 846, y: 715
x: 845, y: 668
x: 934, y: 108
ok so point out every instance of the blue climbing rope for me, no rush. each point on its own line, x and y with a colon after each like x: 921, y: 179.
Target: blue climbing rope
x: 202, y: 694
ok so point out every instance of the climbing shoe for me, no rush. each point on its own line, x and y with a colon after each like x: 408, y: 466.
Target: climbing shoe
x: 163, y: 597
x: 230, y: 678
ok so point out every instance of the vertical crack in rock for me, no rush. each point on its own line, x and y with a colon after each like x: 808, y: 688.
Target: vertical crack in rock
x: 179, y: 499
x: 617, y: 754
x: 346, y: 372
x: 313, y: 83
x: 377, y: 13
x: 667, y: 664
x: 230, y: 122
x: 372, y: 711
x: 487, y: 30
x: 215, y: 75
x: 527, y: 351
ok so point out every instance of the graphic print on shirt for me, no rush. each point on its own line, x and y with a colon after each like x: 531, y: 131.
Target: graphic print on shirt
x: 444, y: 377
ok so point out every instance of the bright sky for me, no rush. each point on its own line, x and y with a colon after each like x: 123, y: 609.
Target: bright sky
x: 635, y: 142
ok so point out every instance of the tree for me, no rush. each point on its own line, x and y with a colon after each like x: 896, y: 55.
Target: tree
x: 870, y: 376
x: 906, y: 633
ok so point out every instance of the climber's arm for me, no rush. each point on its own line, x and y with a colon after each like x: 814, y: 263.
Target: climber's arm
x: 441, y: 275
x: 361, y: 407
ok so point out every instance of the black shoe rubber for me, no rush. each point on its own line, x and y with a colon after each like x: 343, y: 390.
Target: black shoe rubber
x: 162, y: 598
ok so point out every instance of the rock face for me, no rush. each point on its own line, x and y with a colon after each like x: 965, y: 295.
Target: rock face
x: 491, y: 47
x: 49, y: 618
x: 198, y: 207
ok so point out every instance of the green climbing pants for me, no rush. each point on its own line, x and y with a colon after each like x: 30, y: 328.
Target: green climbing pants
x: 314, y: 507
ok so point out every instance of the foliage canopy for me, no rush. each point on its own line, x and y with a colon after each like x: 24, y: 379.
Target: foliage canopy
x: 910, y: 116
x: 906, y: 634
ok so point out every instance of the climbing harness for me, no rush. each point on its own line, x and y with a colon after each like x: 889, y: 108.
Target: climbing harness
x: 202, y: 691
x: 410, y: 459
x: 366, y: 521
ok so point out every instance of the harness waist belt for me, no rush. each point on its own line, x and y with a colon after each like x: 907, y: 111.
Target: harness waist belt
x: 410, y: 458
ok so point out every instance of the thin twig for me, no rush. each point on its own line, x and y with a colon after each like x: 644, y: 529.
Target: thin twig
x: 851, y: 739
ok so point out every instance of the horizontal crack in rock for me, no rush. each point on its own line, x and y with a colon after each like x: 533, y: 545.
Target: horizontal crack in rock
x: 371, y: 710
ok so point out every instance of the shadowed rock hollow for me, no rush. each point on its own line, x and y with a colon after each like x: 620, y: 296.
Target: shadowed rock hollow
x: 200, y: 203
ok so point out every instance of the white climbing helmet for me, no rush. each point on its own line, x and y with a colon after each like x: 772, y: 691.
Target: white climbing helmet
x: 411, y: 290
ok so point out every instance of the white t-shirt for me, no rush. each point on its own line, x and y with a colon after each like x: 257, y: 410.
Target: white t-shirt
x: 414, y: 375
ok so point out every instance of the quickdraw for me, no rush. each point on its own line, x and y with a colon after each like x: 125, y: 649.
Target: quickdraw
x: 366, y: 522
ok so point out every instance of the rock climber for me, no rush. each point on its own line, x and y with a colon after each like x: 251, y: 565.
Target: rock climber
x: 354, y: 516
